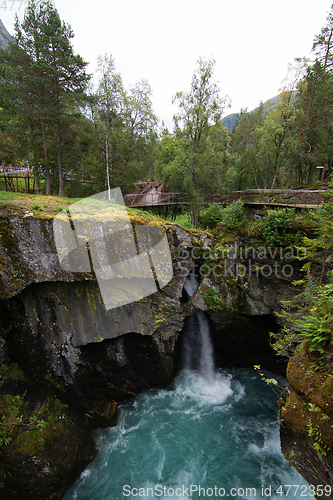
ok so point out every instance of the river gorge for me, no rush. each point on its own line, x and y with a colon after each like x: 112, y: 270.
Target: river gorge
x: 72, y: 370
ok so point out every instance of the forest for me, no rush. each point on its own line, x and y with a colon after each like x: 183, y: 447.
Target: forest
x: 81, y: 137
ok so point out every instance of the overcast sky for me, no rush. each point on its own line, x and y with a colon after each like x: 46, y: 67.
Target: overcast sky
x: 252, y: 42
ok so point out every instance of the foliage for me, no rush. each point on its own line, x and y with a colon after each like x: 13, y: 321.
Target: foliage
x: 168, y: 149
x: 234, y: 215
x: 27, y: 427
x: 314, y: 101
x: 195, y: 166
x: 318, y: 327
x: 322, y: 44
x: 12, y: 370
x: 281, y: 145
x: 11, y: 417
x: 186, y: 223
x: 44, y: 101
x: 80, y: 144
x: 275, y: 224
x: 277, y: 142
x: 315, y: 432
x: 246, y: 170
x: 38, y: 207
x: 312, y: 324
x: 264, y: 142
x: 317, y: 332
x: 285, y: 341
x: 319, y: 246
x: 213, y: 300
x: 211, y: 216
x: 125, y: 126
x: 269, y: 381
x: 311, y: 290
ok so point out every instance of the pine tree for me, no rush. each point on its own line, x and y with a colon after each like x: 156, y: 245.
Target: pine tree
x: 43, y: 81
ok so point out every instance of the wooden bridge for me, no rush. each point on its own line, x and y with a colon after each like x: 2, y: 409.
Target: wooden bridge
x: 13, y: 179
x: 295, y: 198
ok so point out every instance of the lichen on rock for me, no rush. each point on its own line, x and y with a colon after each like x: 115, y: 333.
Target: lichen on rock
x: 53, y: 323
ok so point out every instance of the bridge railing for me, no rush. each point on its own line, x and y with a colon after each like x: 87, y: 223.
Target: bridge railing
x: 277, y: 197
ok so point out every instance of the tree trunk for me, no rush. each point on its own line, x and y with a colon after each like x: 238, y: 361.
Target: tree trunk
x: 263, y: 178
x: 309, y: 174
x: 46, y: 159
x: 289, y: 179
x: 276, y: 166
x: 195, y: 214
x: 255, y: 174
x: 60, y: 172
x: 107, y: 159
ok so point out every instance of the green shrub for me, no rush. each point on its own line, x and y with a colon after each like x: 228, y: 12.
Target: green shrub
x: 211, y: 216
x: 234, y: 215
x: 275, y: 224
x: 285, y: 341
x: 214, y: 302
x: 317, y: 328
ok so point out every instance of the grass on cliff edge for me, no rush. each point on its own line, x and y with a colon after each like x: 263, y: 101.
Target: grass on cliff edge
x: 49, y: 205
x: 36, y: 204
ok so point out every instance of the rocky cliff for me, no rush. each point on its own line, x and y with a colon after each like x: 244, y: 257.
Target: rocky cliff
x: 67, y: 362
x: 5, y: 37
x: 307, y: 412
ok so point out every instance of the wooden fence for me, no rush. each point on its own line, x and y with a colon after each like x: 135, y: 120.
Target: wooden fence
x: 19, y: 179
x: 297, y: 198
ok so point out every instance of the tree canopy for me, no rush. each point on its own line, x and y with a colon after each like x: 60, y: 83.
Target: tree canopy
x: 82, y: 138
x: 197, y: 164
x: 43, y: 82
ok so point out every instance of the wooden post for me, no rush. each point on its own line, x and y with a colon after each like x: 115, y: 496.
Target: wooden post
x: 174, y: 217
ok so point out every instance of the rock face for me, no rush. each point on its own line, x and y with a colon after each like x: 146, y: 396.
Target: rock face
x: 76, y: 360
x: 5, y: 37
x: 68, y: 361
x: 307, y: 410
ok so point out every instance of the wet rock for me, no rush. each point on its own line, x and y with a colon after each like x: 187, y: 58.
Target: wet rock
x: 53, y: 323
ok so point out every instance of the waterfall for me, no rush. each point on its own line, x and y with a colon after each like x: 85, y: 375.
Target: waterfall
x: 197, y: 346
x: 207, y: 429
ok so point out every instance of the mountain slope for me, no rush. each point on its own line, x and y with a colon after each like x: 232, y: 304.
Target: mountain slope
x: 5, y: 37
x: 230, y: 121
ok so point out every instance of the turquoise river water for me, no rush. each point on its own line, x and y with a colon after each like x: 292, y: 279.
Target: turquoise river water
x: 205, y: 437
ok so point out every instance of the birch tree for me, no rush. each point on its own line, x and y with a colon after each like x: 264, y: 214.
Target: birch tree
x: 198, y: 168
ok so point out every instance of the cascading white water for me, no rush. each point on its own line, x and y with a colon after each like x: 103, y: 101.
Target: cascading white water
x: 197, y: 347
x: 207, y: 367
